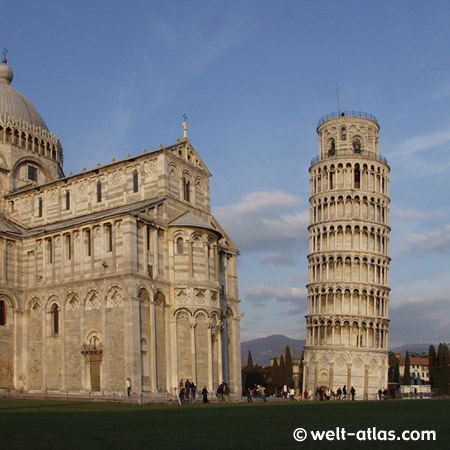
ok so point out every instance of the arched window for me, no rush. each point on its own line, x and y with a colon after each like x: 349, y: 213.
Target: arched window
x: 343, y: 133
x: 186, y: 190
x: 356, y: 145
x: 180, y: 246
x: 55, y: 318
x: 135, y: 181
x: 2, y: 312
x: 357, y: 175
x: 332, y: 147
x: 99, y: 191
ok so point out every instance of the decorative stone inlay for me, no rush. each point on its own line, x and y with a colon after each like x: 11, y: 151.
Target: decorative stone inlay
x: 73, y: 304
x: 150, y: 166
x: 114, y: 300
x: 52, y: 197
x: 182, y: 317
x: 341, y: 361
x: 358, y: 362
x: 36, y: 307
x: 323, y: 361
x: 214, y: 296
x: 200, y: 295
x: 82, y: 187
x: 116, y: 178
x: 93, y: 302
x: 181, y: 295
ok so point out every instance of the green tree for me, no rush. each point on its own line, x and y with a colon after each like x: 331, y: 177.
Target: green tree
x: 289, y: 377
x: 407, y: 374
x: 250, y: 364
x: 282, y: 372
x: 432, y: 361
x: 275, y: 375
x: 442, y: 369
x: 394, y: 370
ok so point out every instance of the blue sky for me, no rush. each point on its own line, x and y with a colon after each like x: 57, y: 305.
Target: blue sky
x: 254, y: 77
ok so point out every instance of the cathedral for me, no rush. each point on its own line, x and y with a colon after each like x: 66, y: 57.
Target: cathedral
x: 113, y: 273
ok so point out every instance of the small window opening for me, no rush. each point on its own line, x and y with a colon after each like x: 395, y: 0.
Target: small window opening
x: 2, y: 312
x: 186, y: 190
x: 55, y: 318
x: 356, y: 145
x: 357, y: 177
x: 32, y: 173
x: 180, y: 246
x: 99, y: 191
x: 40, y: 207
x: 87, y: 242
x: 108, y: 231
x: 67, y: 200
x: 68, y: 246
x: 343, y: 134
x: 135, y: 181
x: 332, y: 149
x: 49, y: 250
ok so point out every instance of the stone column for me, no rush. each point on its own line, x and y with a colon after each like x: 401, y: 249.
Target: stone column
x: 210, y: 361
x: 193, y: 324
x: 153, y: 360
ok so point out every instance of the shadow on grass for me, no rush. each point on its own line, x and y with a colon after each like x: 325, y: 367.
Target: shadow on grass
x: 68, y: 425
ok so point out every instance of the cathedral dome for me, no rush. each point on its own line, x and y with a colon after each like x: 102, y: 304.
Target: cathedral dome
x: 13, y: 103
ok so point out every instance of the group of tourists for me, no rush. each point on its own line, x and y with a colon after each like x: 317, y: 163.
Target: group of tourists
x: 223, y: 392
x: 186, y: 390
x: 257, y: 391
x: 324, y: 393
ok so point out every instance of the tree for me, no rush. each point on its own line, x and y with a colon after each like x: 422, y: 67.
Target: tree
x: 289, y: 377
x: 394, y: 371
x: 250, y: 364
x: 442, y: 369
x: 282, y: 372
x: 275, y: 375
x: 407, y: 373
x: 432, y: 361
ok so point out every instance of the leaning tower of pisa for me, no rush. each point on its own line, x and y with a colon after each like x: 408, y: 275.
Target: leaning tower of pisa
x: 348, y: 291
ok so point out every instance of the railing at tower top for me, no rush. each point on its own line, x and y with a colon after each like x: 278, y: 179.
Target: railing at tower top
x: 341, y: 153
x: 347, y: 113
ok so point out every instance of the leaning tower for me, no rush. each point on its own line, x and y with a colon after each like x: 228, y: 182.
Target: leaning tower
x: 348, y: 291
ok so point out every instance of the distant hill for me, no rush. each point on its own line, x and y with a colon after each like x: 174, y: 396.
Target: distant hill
x: 263, y: 349
x: 412, y: 348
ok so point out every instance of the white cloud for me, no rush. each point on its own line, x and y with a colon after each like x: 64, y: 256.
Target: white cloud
x: 434, y: 241
x: 409, y: 213
x: 257, y: 224
x: 261, y: 294
x: 416, y: 144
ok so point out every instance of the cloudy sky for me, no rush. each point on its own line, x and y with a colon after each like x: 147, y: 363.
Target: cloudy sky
x: 254, y: 77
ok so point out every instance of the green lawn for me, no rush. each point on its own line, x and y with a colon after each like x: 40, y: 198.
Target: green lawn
x: 35, y: 424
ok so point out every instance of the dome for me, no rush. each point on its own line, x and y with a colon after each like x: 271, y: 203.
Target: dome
x: 13, y: 103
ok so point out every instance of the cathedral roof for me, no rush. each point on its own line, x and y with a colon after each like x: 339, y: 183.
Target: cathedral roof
x: 13, y: 104
x: 188, y: 219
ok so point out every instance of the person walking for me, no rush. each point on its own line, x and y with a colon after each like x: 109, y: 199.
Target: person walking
x: 205, y: 394
x: 249, y: 396
x: 353, y: 392
x: 128, y: 387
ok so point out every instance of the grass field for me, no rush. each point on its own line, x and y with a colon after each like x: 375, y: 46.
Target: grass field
x: 35, y: 424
